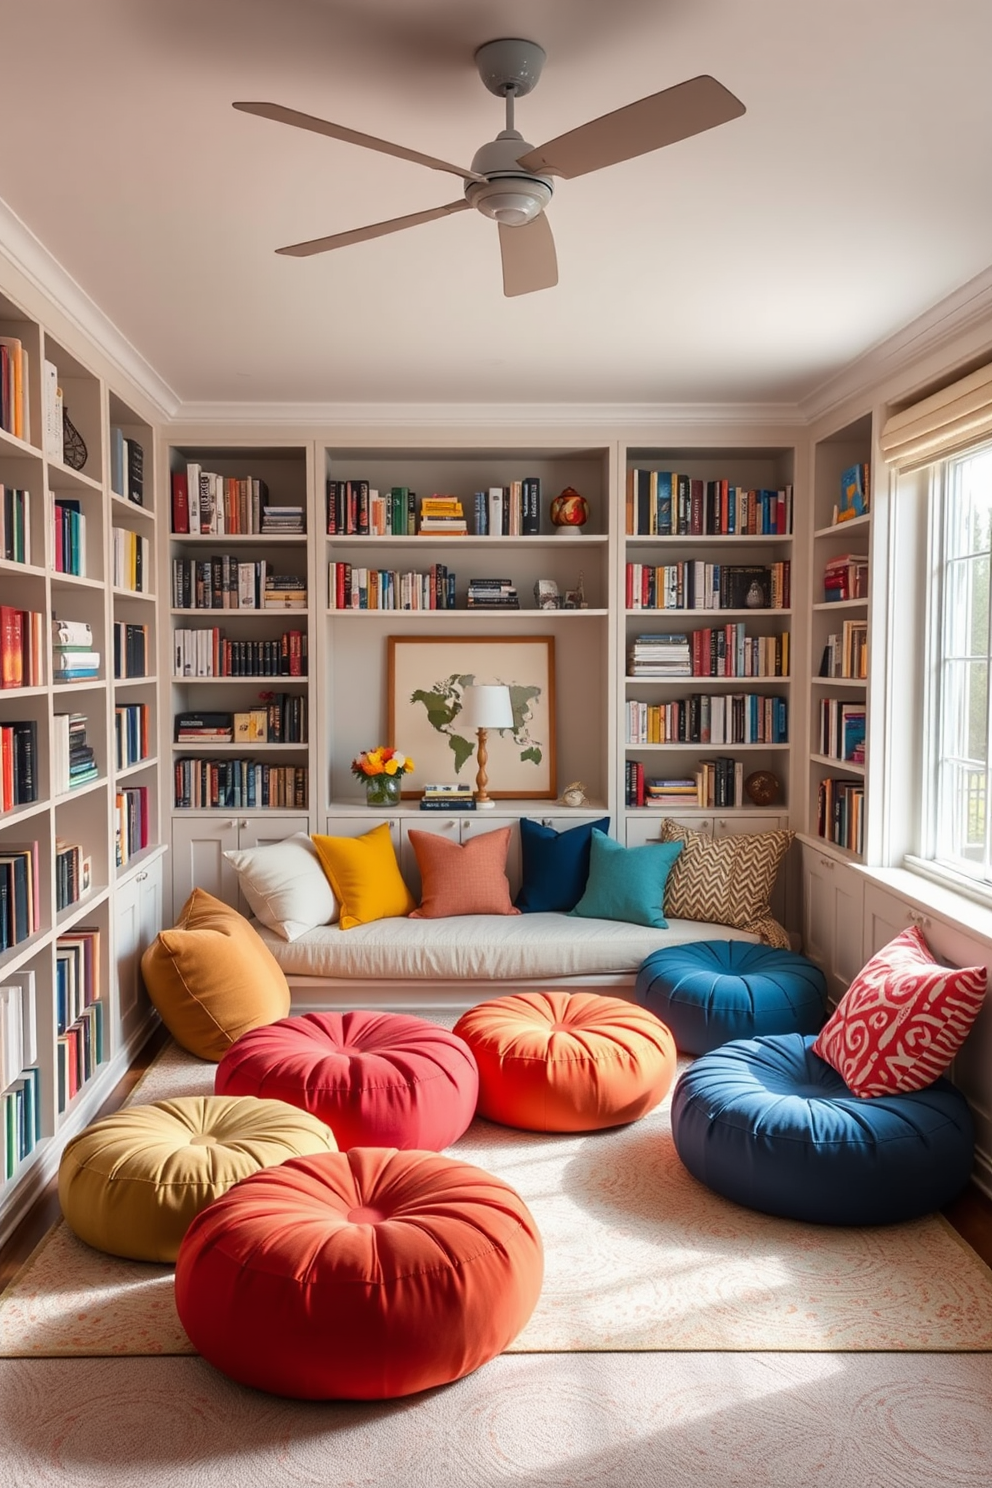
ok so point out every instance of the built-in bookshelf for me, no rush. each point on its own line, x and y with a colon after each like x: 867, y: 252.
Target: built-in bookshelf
x: 78, y: 753
x: 707, y: 658
x: 839, y: 642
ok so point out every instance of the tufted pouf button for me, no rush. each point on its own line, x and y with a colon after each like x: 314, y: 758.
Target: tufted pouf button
x: 362, y: 1275
x: 769, y: 1124
x: 711, y: 991
x: 131, y: 1182
x: 377, y: 1079
x: 566, y: 1062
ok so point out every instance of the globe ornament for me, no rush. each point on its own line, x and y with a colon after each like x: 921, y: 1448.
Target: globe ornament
x: 762, y: 787
x: 569, y: 512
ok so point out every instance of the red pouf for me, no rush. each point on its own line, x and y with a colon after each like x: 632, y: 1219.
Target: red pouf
x: 361, y: 1276
x: 376, y: 1079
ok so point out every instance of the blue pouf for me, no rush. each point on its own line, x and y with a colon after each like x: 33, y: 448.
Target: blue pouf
x: 711, y: 991
x: 769, y: 1124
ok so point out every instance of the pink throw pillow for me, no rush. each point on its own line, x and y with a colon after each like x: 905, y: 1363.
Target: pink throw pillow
x: 462, y: 878
x: 902, y: 1020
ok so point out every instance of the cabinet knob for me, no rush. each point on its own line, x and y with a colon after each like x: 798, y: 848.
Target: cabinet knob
x: 547, y: 821
x: 827, y: 863
x: 232, y: 823
x: 918, y: 918
x: 243, y: 822
x: 141, y: 877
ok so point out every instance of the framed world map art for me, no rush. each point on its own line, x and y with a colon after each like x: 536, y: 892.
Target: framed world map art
x: 427, y: 676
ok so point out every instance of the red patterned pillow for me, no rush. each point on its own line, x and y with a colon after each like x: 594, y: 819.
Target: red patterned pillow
x: 902, y: 1020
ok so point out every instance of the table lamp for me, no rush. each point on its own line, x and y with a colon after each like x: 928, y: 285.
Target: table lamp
x: 483, y: 708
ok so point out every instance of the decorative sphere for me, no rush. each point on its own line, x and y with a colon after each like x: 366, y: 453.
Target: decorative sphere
x: 569, y: 509
x: 763, y: 787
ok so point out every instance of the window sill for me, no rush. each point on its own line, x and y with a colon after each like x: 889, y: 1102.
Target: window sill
x: 934, y: 893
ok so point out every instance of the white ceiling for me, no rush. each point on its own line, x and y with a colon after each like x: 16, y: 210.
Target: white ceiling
x: 749, y: 263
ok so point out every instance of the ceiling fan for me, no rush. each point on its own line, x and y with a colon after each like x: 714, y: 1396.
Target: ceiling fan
x: 509, y: 179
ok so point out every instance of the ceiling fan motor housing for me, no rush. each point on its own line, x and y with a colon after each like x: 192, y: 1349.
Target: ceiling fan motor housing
x: 509, y: 194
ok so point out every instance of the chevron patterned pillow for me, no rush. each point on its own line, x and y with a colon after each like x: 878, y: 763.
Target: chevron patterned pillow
x: 726, y: 880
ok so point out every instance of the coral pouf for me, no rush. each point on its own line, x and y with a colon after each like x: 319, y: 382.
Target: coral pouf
x: 132, y: 1182
x: 361, y: 1275
x: 377, y: 1079
x: 560, y: 1061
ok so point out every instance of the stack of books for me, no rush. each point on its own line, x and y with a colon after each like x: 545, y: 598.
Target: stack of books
x: 282, y: 519
x: 492, y: 594
x: 671, y: 794
x: 204, y: 728
x: 73, y: 657
x: 73, y: 759
x: 447, y: 797
x: 846, y: 577
x: 442, y: 516
x: 661, y: 656
x: 284, y: 592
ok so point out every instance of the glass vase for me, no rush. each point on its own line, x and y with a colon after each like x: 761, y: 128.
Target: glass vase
x: 382, y: 790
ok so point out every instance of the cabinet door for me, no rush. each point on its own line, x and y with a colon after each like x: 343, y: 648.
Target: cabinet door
x: 443, y: 824
x: 262, y: 831
x: 647, y: 828
x: 833, y: 909
x: 481, y: 822
x: 198, y: 861
x: 137, y: 921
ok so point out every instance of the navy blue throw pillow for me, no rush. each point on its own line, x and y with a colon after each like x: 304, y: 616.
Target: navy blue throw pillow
x: 555, y: 864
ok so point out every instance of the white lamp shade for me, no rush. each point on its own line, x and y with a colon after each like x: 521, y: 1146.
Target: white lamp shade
x: 486, y: 707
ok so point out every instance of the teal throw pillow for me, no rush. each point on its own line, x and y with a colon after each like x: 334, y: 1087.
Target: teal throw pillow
x: 627, y: 883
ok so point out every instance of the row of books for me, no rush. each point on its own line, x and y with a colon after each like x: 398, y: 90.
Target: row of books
x: 20, y: 1119
x: 78, y: 1051
x: 15, y: 524
x: 702, y: 718
x: 667, y: 503
x: 224, y: 582
x: 15, y: 383
x: 20, y: 892
x: 74, y: 761
x: 201, y: 784
x: 78, y: 1010
x: 842, y: 730
x: 22, y: 644
x: 209, y: 653
x: 452, y: 796
x: 132, y: 650
x: 714, y: 651
x: 709, y: 586
x: 132, y: 734
x: 18, y: 763
x: 840, y: 813
x: 69, y: 536
x: 127, y: 466
x: 357, y: 588
x: 355, y: 508
x: 205, y: 503
x: 131, y: 564
x: 131, y: 823
x: 845, y: 653
x: 282, y: 719
x: 846, y: 577
x: 73, y: 873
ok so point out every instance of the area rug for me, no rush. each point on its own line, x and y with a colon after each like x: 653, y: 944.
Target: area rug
x: 639, y: 1257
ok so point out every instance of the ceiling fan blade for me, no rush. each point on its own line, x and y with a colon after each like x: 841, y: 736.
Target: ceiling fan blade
x: 529, y: 258
x: 351, y: 136
x: 674, y: 114
x: 376, y: 230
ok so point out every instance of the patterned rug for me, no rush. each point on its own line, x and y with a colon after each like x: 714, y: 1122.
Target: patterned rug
x: 639, y: 1257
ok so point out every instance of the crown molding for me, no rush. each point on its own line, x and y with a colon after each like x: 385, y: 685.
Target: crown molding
x: 28, y: 255
x: 606, y: 416
x: 966, y: 310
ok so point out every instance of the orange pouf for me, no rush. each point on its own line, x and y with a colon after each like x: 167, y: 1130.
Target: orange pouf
x: 560, y: 1061
x: 359, y: 1276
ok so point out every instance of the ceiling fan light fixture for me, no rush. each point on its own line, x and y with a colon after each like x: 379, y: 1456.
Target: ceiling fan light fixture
x: 511, y: 200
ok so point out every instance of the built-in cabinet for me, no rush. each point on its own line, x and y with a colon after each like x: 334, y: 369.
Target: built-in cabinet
x: 80, y: 812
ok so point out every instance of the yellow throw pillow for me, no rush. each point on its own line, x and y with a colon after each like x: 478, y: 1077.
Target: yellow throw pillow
x: 212, y: 977
x: 365, y: 876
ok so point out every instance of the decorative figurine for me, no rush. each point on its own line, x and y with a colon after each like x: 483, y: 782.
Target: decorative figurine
x: 763, y: 787
x: 546, y: 594
x: 74, y: 451
x: 569, y: 512
x: 575, y: 599
x: 574, y: 795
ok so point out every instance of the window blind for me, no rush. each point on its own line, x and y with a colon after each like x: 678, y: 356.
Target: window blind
x: 953, y: 419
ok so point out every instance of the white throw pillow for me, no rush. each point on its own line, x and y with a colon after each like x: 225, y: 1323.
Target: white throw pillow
x: 285, y: 886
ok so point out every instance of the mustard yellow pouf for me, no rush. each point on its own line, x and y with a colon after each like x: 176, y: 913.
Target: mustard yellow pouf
x: 132, y: 1182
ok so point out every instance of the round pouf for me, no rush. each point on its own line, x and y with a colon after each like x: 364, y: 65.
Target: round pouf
x: 769, y: 1124
x: 132, y: 1182
x: 377, y: 1079
x: 361, y: 1275
x: 711, y: 991
x: 567, y: 1062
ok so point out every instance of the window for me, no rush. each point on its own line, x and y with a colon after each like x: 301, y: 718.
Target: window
x: 960, y: 725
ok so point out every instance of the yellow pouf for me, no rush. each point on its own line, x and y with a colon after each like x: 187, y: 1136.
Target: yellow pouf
x: 132, y: 1182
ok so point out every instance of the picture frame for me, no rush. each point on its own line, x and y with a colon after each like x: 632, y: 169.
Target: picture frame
x: 425, y: 677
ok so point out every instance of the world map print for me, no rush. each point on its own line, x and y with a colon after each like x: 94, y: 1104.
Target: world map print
x: 442, y: 702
